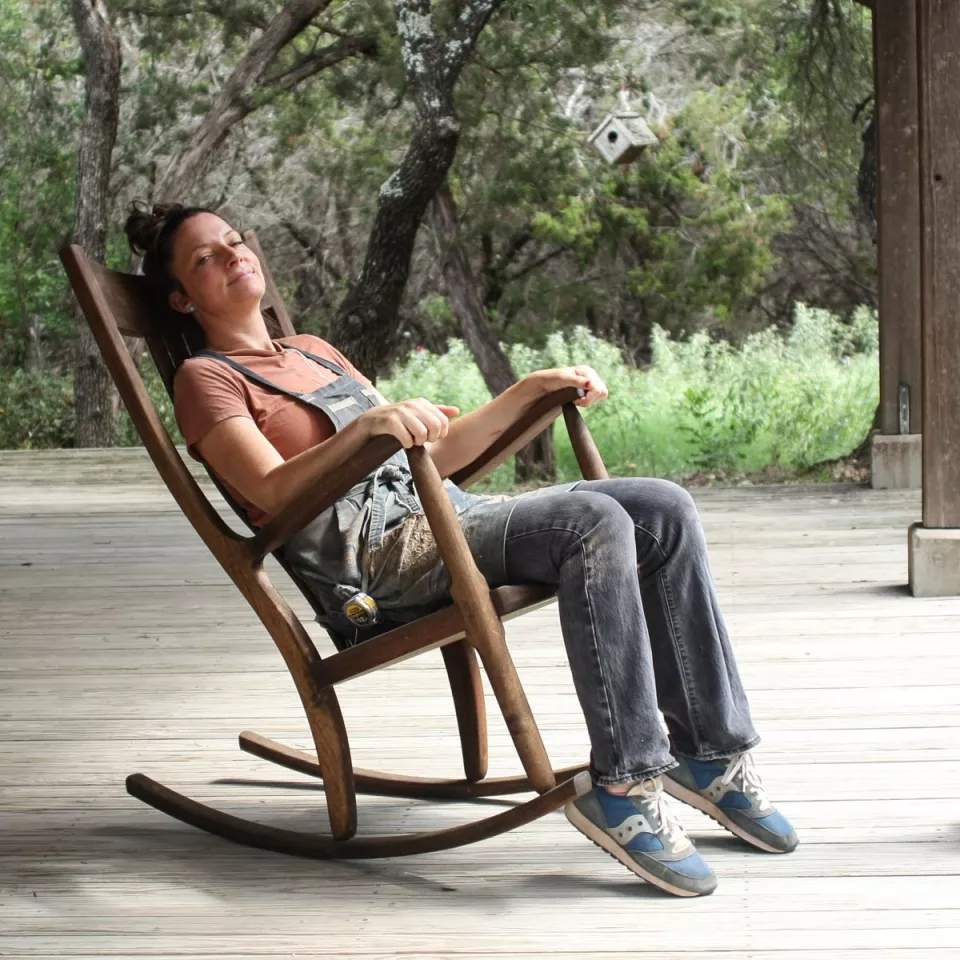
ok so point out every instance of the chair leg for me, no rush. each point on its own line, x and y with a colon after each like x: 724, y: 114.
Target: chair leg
x: 514, y: 705
x: 463, y: 672
x: 483, y: 627
x: 333, y: 755
x: 320, y: 702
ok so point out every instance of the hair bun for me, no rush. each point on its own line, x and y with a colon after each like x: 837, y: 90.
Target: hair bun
x: 145, y: 224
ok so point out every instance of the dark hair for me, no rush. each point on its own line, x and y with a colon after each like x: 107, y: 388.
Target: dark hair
x: 151, y: 233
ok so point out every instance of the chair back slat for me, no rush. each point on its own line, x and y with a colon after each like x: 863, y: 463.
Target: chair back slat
x: 113, y: 302
x: 116, y: 303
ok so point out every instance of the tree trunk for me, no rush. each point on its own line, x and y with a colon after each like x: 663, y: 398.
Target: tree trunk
x: 95, y: 396
x: 537, y: 460
x: 34, y: 358
x: 366, y: 324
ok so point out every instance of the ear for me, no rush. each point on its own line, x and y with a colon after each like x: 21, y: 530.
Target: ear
x: 179, y: 301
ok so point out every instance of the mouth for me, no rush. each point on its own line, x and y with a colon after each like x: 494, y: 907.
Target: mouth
x: 243, y: 273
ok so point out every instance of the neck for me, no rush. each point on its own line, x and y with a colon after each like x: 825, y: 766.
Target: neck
x: 244, y: 331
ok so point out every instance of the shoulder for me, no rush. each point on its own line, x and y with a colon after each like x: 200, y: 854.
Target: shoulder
x: 311, y: 344
x: 320, y: 348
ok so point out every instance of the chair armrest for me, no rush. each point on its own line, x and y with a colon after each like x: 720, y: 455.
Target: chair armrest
x: 327, y: 489
x: 527, y: 427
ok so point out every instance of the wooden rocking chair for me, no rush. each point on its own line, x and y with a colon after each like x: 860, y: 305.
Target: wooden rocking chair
x: 118, y: 304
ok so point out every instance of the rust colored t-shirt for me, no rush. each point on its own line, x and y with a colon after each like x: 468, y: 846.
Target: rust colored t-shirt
x: 207, y: 391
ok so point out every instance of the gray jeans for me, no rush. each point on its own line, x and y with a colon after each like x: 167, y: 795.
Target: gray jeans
x: 638, y: 612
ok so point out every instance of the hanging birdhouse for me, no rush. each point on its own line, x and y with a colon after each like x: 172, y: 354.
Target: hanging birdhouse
x: 622, y: 137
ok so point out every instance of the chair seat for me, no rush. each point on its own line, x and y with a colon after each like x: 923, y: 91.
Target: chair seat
x: 512, y: 600
x: 435, y: 630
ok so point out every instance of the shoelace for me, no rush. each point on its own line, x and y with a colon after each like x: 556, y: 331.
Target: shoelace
x: 669, y: 825
x: 749, y: 782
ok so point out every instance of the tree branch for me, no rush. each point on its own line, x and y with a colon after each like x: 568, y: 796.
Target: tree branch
x: 234, y: 102
x: 535, y: 264
x: 465, y: 33
x: 314, y: 63
x: 216, y: 8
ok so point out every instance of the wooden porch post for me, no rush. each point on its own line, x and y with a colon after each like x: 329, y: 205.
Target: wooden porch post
x: 935, y: 545
x: 896, y: 455
x: 898, y: 214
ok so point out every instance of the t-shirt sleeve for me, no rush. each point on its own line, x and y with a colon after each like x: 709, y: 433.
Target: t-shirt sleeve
x: 204, y: 393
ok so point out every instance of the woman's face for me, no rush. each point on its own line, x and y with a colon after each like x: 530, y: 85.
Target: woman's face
x: 217, y: 270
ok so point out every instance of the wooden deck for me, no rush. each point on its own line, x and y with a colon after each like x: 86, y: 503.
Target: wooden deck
x: 123, y: 648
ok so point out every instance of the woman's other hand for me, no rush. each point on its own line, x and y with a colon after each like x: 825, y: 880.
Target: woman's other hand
x: 586, y: 378
x: 413, y: 422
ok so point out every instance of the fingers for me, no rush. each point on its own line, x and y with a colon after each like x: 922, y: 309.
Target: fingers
x: 588, y: 380
x: 414, y: 422
x: 431, y: 417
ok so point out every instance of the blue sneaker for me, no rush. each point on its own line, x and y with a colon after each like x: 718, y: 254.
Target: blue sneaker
x: 732, y: 793
x: 642, y: 834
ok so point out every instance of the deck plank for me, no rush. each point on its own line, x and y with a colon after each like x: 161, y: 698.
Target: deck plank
x: 123, y: 647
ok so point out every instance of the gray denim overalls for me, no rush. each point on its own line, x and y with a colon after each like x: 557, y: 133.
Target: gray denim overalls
x: 335, y: 555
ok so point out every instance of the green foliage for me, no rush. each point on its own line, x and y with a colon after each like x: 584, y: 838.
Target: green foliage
x: 39, y: 120
x: 36, y: 410
x: 126, y: 432
x: 748, y: 202
x: 789, y: 401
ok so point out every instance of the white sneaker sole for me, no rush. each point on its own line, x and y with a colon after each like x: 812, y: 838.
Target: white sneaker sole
x: 679, y: 792
x: 603, y: 840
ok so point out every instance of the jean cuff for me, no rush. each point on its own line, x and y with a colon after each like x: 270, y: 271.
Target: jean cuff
x: 636, y: 777
x: 725, y: 754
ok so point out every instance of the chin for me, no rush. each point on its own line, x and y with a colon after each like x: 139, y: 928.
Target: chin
x: 247, y: 288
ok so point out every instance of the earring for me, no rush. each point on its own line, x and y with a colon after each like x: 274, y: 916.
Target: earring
x: 191, y: 308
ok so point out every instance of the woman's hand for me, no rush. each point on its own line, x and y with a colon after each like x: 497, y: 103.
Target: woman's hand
x: 586, y: 378
x: 412, y: 422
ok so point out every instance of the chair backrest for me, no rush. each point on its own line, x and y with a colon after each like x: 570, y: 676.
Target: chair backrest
x: 119, y: 305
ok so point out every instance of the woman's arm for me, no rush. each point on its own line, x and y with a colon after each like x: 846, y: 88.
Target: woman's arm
x: 240, y: 454
x: 472, y: 433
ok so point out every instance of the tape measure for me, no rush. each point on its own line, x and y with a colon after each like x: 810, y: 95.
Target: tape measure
x: 361, y: 610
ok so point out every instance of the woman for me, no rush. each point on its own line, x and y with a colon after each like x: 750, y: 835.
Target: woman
x: 637, y: 604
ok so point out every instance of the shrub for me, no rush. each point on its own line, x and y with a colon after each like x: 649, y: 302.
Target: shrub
x: 788, y: 401
x: 127, y: 435
x: 36, y: 410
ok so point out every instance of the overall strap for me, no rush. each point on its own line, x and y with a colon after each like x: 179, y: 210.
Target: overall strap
x: 329, y: 364
x: 249, y: 374
x: 263, y: 381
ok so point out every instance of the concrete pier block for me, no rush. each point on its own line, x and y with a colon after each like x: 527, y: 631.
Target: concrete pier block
x: 896, y: 462
x: 934, y: 561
